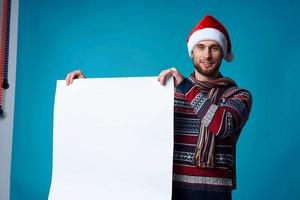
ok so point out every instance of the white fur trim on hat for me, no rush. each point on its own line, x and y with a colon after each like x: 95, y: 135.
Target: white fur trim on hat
x: 208, y: 34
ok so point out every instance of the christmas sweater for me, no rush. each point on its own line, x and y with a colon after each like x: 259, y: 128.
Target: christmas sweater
x: 226, y: 120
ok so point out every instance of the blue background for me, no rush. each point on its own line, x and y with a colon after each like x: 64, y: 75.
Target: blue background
x: 140, y: 38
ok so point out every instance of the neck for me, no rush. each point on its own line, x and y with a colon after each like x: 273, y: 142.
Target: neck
x: 201, y: 77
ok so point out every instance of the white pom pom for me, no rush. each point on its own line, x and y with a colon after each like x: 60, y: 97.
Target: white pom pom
x: 229, y: 57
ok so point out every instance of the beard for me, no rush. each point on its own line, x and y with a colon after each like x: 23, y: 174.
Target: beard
x: 209, y: 72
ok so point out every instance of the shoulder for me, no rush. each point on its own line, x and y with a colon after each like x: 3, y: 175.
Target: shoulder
x: 235, y: 91
x: 237, y: 95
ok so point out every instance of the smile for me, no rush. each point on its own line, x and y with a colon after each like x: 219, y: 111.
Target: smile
x: 206, y: 64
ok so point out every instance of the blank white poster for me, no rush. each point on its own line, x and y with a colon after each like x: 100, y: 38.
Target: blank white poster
x: 113, y: 139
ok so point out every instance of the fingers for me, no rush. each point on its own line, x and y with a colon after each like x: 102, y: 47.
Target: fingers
x: 68, y: 78
x: 74, y: 75
x: 163, y: 76
x: 166, y: 74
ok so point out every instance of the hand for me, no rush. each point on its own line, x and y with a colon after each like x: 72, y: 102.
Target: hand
x: 74, y: 75
x: 166, y: 74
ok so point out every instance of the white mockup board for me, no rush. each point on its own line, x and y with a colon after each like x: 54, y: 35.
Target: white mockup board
x: 112, y: 140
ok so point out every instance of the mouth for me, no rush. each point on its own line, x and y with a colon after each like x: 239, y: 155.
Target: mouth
x: 207, y: 64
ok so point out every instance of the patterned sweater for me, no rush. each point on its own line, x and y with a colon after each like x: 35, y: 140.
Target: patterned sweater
x: 226, y: 120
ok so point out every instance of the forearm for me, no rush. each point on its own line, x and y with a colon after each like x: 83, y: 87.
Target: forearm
x: 223, y: 118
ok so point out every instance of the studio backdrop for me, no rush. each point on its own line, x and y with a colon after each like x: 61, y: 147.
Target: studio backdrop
x: 142, y: 37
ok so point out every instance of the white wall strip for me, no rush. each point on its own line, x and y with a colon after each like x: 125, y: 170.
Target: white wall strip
x: 6, y: 123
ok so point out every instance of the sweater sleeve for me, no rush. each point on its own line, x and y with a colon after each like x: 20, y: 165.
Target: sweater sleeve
x: 222, y: 119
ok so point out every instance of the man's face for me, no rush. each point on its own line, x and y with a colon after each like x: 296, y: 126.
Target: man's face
x: 207, y: 57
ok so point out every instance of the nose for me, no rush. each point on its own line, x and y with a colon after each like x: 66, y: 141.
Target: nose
x: 206, y: 53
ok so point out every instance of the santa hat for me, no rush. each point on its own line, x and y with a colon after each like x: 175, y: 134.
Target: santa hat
x: 209, y: 28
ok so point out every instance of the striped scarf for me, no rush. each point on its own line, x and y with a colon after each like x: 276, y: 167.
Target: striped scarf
x: 205, y: 149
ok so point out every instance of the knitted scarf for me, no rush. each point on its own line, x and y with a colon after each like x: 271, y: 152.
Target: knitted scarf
x: 205, y: 149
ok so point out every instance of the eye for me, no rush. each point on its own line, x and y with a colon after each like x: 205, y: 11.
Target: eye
x: 200, y: 47
x: 215, y: 48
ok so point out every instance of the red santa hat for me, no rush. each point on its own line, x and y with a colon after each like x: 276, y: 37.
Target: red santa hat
x: 209, y: 28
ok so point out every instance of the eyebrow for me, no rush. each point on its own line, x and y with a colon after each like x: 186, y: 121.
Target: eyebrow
x: 210, y: 46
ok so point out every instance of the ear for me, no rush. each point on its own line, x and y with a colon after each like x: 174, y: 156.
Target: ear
x: 192, y: 53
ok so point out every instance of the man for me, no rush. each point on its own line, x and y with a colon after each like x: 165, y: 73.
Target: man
x: 209, y: 114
